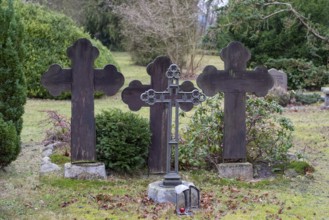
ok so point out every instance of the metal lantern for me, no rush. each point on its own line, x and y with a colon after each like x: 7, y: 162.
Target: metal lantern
x: 194, y: 197
x: 182, y: 199
x: 187, y: 198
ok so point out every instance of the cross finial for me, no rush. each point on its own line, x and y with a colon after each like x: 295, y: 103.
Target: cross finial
x: 83, y: 48
x: 235, y: 56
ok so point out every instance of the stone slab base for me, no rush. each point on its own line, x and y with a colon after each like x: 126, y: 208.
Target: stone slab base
x: 241, y: 171
x: 163, y: 194
x: 85, y: 171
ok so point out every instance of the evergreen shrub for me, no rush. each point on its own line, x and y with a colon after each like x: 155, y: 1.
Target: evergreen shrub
x: 122, y: 140
x: 12, y: 54
x: 306, y: 98
x: 12, y: 82
x: 268, y: 134
x: 9, y: 143
x: 48, y: 35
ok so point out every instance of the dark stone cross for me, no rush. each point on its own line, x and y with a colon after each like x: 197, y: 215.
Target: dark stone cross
x: 158, y: 113
x: 235, y: 81
x: 82, y: 80
x: 173, y: 96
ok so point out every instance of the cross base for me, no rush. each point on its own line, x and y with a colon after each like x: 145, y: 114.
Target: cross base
x: 242, y: 171
x: 171, y: 179
x: 85, y: 171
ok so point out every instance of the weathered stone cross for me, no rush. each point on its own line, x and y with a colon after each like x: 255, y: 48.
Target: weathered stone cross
x: 82, y: 80
x: 173, y: 96
x: 235, y: 81
x: 158, y: 113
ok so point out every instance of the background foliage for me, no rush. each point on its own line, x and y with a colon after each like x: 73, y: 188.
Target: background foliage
x: 12, y: 82
x: 291, y: 35
x: 48, y: 35
x: 103, y: 23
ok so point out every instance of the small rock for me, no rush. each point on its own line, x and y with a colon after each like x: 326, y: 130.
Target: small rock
x: 46, y: 152
x: 45, y: 160
x: 48, y: 167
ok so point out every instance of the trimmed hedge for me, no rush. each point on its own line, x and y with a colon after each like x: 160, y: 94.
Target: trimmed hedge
x: 122, y: 140
x: 9, y: 143
x: 48, y: 35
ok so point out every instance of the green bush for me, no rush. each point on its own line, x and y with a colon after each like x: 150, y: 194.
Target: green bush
x: 301, y: 74
x: 48, y: 35
x: 9, y: 143
x: 268, y: 133
x: 12, y: 80
x: 122, y: 140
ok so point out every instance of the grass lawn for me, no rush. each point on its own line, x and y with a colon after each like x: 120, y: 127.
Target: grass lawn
x: 26, y: 195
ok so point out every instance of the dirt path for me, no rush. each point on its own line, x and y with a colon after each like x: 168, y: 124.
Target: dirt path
x: 20, y: 181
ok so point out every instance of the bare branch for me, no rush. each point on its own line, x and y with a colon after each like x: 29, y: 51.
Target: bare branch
x: 301, y: 18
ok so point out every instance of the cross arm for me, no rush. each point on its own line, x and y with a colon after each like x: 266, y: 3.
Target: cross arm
x: 257, y: 81
x: 260, y: 81
x: 210, y: 80
x: 57, y: 80
x: 188, y: 87
x: 108, y: 80
x: 131, y: 95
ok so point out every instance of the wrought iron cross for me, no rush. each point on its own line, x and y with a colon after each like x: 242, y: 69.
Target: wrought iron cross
x: 82, y: 80
x: 173, y: 96
x: 235, y: 81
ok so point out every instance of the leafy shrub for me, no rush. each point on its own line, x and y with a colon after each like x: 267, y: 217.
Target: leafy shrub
x: 12, y: 80
x: 301, y: 74
x: 306, y: 99
x: 268, y: 133
x: 48, y: 35
x: 278, y: 95
x: 122, y: 140
x: 9, y: 143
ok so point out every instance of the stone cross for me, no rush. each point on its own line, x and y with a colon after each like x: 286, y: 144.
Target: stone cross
x: 82, y: 80
x: 173, y: 96
x: 235, y: 81
x: 158, y: 115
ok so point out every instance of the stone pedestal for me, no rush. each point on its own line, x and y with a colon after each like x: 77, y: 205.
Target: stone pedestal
x: 241, y: 171
x: 162, y: 194
x: 85, y: 171
x: 325, y: 90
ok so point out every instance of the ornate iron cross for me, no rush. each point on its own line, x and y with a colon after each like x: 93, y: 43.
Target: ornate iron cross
x: 173, y: 96
x: 82, y: 80
x: 235, y: 81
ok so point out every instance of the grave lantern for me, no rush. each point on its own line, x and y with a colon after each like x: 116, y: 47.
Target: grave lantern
x: 182, y: 199
x: 187, y: 198
x: 194, y: 197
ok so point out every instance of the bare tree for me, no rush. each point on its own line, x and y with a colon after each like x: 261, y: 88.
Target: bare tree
x: 169, y: 26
